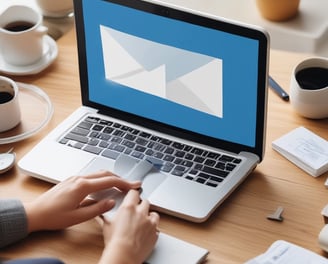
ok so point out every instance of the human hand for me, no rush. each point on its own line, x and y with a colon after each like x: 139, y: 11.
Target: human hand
x: 65, y: 204
x: 131, y: 234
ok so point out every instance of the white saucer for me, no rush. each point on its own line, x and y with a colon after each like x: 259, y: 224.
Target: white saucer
x: 50, y: 54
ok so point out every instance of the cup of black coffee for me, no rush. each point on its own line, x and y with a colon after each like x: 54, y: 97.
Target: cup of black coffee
x: 10, y: 114
x: 309, y: 88
x: 21, y: 35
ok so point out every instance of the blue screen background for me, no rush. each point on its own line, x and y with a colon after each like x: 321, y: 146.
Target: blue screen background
x: 240, y: 70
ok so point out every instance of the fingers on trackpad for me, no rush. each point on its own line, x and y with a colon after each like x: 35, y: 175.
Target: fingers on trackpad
x: 142, y: 170
x: 132, y: 169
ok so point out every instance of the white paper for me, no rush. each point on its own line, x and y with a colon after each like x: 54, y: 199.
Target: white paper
x: 170, y: 250
x: 305, y: 149
x: 282, y: 252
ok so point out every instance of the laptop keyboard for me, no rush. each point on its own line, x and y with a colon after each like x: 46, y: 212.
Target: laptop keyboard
x: 110, y: 139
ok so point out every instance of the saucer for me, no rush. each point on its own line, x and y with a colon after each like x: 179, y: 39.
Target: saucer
x: 50, y: 54
x: 36, y: 112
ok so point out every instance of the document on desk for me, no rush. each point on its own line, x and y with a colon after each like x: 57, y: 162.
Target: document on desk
x: 169, y: 249
x: 305, y: 149
x: 283, y: 252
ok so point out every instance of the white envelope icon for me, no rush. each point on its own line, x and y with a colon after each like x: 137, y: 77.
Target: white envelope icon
x: 184, y: 77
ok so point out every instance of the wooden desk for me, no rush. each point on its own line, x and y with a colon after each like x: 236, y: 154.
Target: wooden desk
x: 236, y: 232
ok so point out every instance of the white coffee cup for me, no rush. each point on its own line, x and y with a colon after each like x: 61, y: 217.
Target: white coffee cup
x: 10, y: 114
x: 21, y: 35
x: 58, y: 8
x: 310, y: 99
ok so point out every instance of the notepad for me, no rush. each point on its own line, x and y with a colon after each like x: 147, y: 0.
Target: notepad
x: 305, y: 149
x: 171, y: 250
x: 283, y: 252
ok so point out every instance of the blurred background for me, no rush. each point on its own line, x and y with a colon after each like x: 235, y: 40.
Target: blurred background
x: 306, y: 32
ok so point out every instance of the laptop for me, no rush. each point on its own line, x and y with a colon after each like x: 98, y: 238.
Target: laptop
x: 183, y: 90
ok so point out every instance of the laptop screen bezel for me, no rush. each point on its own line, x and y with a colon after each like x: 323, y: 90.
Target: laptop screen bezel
x: 197, y: 18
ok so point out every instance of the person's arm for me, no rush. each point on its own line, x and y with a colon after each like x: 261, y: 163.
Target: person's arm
x: 13, y: 222
x: 132, y: 233
x: 129, y: 237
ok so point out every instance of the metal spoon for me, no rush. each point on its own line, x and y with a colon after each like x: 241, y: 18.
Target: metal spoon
x: 7, y: 160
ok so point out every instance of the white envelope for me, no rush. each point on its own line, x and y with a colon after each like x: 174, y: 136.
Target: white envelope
x: 184, y: 77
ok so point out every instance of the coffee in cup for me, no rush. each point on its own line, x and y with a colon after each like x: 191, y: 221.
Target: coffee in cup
x: 309, y: 88
x: 313, y: 78
x: 21, y: 35
x: 10, y: 114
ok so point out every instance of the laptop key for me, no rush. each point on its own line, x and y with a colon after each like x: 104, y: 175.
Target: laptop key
x: 137, y: 155
x: 158, y: 155
x: 166, y: 141
x: 187, y: 163
x: 140, y: 148
x: 230, y: 167
x: 141, y: 141
x: 210, y: 162
x: 93, y: 142
x: 80, y: 131
x: 108, y: 153
x: 92, y: 149
x: 145, y: 135
x: 178, y: 145
x: 217, y: 179
x: 167, y: 167
x: 103, y: 144
x: 168, y: 158
x: 212, y: 184
x: 97, y: 127
x: 197, y: 151
x: 116, y: 147
x: 76, y: 137
x: 75, y: 144
x: 201, y: 180
x: 199, y: 159
x: 108, y: 130
x: 177, y: 172
x: 63, y: 141
x: 156, y: 162
x: 189, y: 156
x: 226, y: 158
x: 92, y: 119
x: 214, y: 171
x: 213, y: 155
x: 85, y: 125
x: 179, y: 154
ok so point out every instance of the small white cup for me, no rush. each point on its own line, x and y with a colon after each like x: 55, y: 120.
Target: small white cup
x: 10, y: 114
x: 21, y: 35
x: 309, y: 102
x: 58, y: 8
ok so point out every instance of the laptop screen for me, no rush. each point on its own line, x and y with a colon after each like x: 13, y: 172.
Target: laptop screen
x: 177, y: 69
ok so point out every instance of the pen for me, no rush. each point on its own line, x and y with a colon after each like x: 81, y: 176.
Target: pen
x: 277, y: 89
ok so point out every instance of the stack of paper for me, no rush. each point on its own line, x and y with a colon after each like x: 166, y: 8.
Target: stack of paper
x: 282, y: 252
x: 305, y: 149
x: 171, y: 250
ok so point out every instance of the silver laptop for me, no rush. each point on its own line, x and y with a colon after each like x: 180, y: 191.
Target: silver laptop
x: 183, y: 90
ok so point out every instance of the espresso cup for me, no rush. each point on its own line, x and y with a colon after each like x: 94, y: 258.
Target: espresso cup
x: 21, y: 35
x: 309, y: 88
x: 10, y: 114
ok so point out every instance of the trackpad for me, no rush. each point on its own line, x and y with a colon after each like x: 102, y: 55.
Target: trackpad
x: 151, y: 182
x: 140, y: 170
x: 131, y: 169
x: 98, y: 164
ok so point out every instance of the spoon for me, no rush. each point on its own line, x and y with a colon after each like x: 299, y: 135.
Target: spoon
x: 7, y: 160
